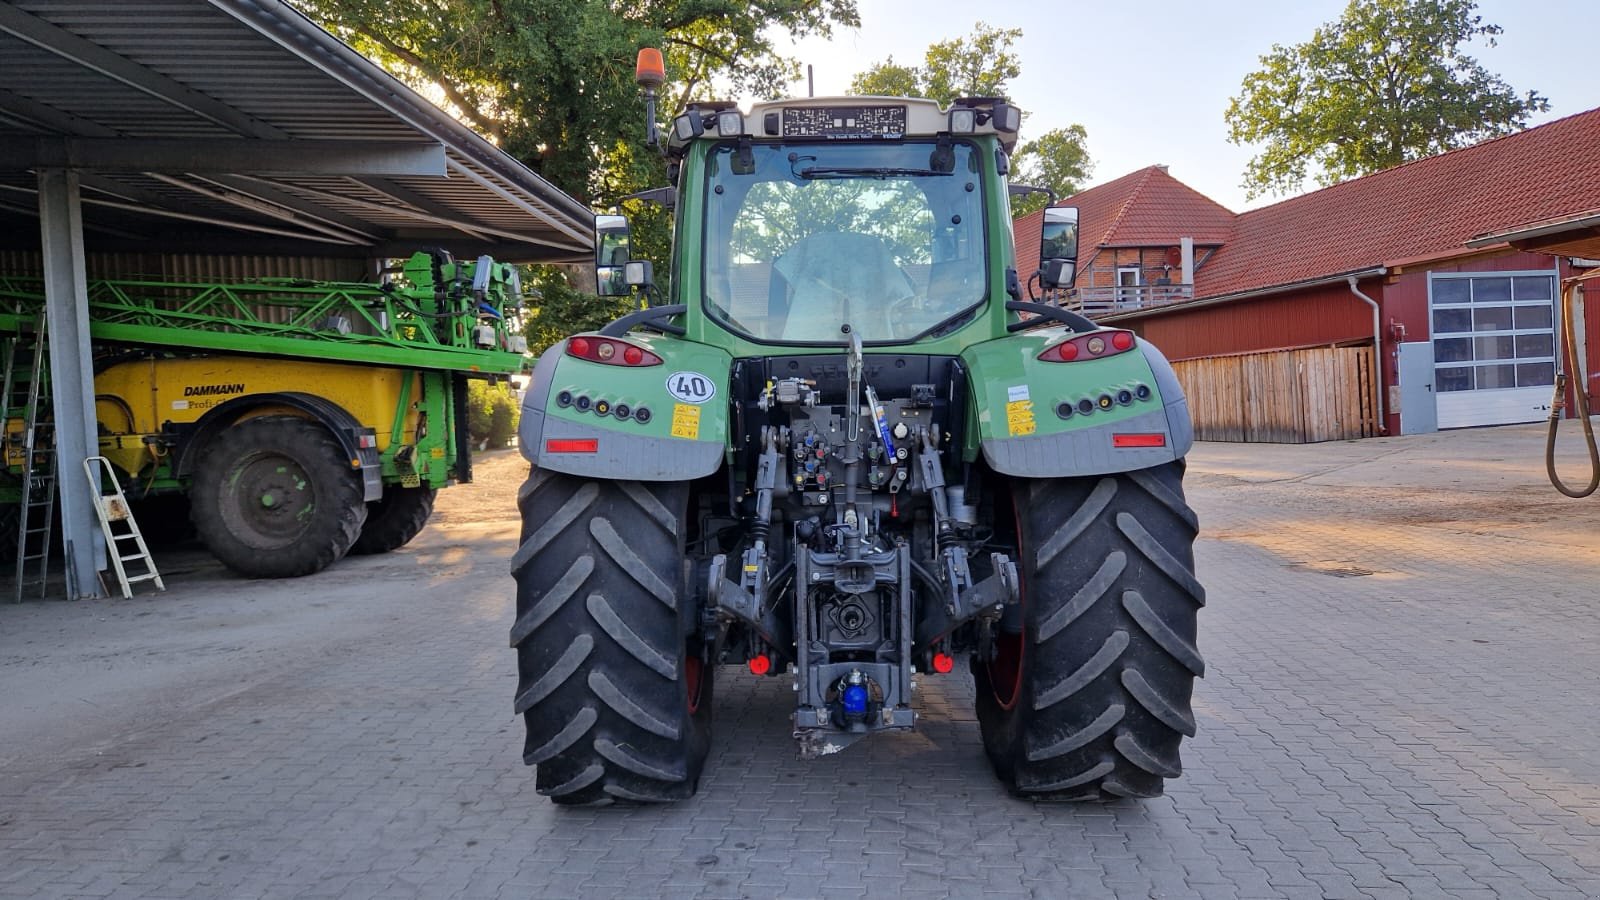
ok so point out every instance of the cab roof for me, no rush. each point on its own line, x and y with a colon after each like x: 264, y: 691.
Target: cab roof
x: 846, y: 119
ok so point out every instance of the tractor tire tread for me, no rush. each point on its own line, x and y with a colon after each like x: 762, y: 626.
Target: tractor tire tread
x: 600, y: 639
x: 1110, y: 657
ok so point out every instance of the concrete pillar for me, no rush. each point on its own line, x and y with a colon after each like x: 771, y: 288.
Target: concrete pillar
x: 1186, y: 257
x: 72, y: 375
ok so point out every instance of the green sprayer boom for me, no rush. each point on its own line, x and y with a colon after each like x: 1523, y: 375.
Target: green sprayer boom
x: 435, y: 313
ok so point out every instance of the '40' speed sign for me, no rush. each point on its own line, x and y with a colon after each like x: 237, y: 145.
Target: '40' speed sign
x: 691, y: 387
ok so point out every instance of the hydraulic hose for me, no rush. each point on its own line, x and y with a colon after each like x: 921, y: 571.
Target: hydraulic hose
x: 1580, y: 398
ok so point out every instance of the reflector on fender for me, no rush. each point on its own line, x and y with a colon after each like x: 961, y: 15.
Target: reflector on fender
x: 572, y: 445
x: 1138, y: 440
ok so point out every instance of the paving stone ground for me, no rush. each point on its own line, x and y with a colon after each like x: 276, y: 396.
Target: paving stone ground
x: 1402, y: 700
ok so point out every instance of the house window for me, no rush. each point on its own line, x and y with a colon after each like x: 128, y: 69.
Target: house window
x: 1493, y: 332
x: 1128, y: 286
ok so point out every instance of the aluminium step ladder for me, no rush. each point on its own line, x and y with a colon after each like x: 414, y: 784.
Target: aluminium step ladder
x: 30, y: 443
x: 111, y: 508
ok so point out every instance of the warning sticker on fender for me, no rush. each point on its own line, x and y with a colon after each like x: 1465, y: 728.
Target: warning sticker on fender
x: 1019, y: 418
x: 686, y: 421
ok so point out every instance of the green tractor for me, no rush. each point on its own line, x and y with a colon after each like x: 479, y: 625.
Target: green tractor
x: 846, y: 452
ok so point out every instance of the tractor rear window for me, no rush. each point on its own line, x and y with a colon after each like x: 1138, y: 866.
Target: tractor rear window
x: 801, y: 239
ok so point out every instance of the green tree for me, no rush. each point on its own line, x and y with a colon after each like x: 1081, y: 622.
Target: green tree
x: 492, y: 413
x: 557, y: 309
x: 1057, y: 159
x: 551, y: 81
x: 981, y: 66
x: 976, y: 66
x: 1385, y: 84
x: 888, y: 79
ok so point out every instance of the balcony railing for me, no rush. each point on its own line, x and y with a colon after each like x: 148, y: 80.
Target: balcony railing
x: 1100, y: 301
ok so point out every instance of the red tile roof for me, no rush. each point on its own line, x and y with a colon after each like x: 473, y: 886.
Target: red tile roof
x: 1145, y: 208
x: 1423, y: 210
x: 1420, y: 210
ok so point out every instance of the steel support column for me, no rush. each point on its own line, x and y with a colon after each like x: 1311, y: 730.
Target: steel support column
x: 72, y: 375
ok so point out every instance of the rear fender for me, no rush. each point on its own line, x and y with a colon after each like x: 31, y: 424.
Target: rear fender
x: 684, y: 432
x: 1029, y: 421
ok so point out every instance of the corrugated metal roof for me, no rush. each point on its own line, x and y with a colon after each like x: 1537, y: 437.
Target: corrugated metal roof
x: 209, y: 70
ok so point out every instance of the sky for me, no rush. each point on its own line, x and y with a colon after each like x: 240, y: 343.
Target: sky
x: 1151, y: 79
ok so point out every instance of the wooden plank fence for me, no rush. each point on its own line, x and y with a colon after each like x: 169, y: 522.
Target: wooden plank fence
x: 1283, y: 396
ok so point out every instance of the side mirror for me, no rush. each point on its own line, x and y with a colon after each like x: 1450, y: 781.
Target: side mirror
x: 1058, y: 247
x: 611, y: 253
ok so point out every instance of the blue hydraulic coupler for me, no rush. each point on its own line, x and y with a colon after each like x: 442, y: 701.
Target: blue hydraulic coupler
x: 855, y: 700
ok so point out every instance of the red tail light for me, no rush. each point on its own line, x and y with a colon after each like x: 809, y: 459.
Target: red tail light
x: 1138, y: 440
x: 1094, y: 345
x: 760, y: 664
x: 572, y: 445
x: 611, y: 352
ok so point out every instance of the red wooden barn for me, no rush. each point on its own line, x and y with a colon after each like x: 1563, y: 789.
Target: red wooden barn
x: 1420, y: 297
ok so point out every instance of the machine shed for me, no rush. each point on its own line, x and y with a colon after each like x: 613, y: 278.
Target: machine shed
x: 197, y: 138
x: 240, y: 126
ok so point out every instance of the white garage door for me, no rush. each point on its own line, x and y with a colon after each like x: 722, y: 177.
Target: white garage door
x: 1493, y: 346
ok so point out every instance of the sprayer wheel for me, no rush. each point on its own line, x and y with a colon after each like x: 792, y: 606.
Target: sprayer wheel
x: 394, y: 519
x: 275, y: 497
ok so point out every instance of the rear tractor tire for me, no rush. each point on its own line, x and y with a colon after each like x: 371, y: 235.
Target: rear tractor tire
x: 1090, y: 701
x: 395, y: 519
x: 613, y: 683
x: 275, y: 497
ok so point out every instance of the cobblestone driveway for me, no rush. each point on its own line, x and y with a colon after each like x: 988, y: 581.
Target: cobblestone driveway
x: 1403, y: 699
